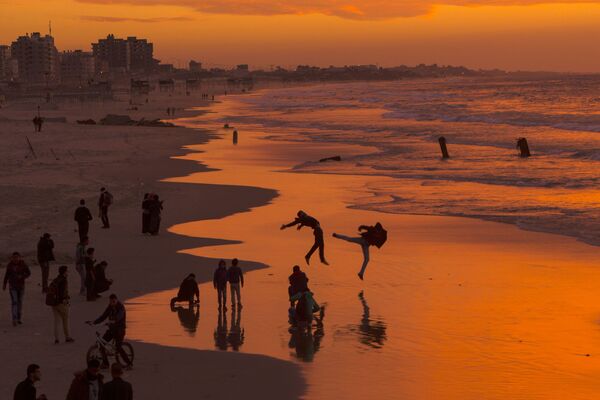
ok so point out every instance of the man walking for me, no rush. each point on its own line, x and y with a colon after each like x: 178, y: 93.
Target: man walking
x: 80, y: 254
x: 16, y: 273
x: 45, y: 254
x: 83, y: 216
x: 105, y: 201
x: 235, y: 278
x: 117, y: 389
x: 90, y: 274
x: 220, y: 283
x: 26, y: 390
x: 58, y: 299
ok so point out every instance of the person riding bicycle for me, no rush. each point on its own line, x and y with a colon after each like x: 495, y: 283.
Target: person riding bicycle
x: 116, y: 315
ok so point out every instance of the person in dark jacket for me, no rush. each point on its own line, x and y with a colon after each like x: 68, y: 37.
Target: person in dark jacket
x: 298, y: 283
x: 104, y: 201
x: 102, y: 283
x: 117, y: 389
x: 87, y: 384
x: 369, y: 236
x: 60, y: 289
x: 16, y: 273
x: 155, y: 209
x: 83, y: 216
x: 90, y: 275
x: 117, y: 317
x: 80, y: 255
x: 220, y: 283
x: 146, y: 213
x: 45, y: 254
x: 26, y: 390
x: 303, y: 219
x: 188, y: 290
x: 235, y: 277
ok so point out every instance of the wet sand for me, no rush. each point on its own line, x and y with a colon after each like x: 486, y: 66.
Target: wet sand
x: 41, y: 194
x: 451, y: 308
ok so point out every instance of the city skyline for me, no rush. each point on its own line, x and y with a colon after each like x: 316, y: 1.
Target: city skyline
x: 531, y: 35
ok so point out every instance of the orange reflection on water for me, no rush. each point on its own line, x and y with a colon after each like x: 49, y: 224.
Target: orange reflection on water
x: 451, y: 308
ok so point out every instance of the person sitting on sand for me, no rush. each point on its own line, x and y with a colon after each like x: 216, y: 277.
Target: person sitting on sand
x: 303, y: 219
x: 298, y: 283
x: 369, y: 236
x: 102, y: 283
x: 188, y: 290
x: 306, y: 306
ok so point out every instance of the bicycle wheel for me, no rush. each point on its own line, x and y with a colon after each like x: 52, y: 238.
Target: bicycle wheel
x: 94, y: 354
x: 128, y: 349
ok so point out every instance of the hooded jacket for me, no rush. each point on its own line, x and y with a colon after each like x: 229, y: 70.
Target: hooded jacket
x: 80, y: 387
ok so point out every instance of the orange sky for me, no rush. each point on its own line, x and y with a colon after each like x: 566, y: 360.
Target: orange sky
x: 509, y: 34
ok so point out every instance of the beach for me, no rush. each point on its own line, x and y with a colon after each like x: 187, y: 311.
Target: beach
x: 40, y: 195
x: 453, y: 308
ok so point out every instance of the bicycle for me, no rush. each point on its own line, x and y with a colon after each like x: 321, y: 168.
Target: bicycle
x: 95, y: 352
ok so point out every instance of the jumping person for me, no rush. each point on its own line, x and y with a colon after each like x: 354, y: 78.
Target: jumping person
x: 303, y: 219
x: 220, y: 283
x: 16, y: 273
x: 45, y: 254
x: 104, y: 201
x: 369, y: 236
x: 188, y: 290
x: 235, y: 277
x: 117, y: 317
x: 83, y: 216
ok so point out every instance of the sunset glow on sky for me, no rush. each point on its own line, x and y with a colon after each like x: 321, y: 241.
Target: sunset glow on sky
x: 507, y: 34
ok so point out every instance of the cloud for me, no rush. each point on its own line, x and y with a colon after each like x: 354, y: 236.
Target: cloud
x: 352, y: 9
x: 101, y: 18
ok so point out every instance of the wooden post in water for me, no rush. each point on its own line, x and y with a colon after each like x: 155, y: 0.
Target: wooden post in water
x: 235, y: 137
x: 443, y: 147
x: 523, y: 146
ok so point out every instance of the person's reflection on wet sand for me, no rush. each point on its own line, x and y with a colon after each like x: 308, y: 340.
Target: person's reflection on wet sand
x: 221, y: 331
x: 189, y: 317
x: 307, y: 341
x: 372, y: 332
x: 236, y: 332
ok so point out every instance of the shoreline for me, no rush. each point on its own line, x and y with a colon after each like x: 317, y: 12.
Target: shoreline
x: 135, y: 264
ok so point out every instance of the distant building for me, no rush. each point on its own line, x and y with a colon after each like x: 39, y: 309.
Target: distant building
x: 195, y: 66
x: 77, y: 66
x: 37, y: 58
x: 4, y: 61
x: 242, y: 67
x: 131, y: 54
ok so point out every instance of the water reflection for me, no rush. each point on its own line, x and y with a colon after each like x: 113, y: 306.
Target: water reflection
x: 306, y: 339
x: 234, y: 336
x: 189, y: 317
x: 372, y: 332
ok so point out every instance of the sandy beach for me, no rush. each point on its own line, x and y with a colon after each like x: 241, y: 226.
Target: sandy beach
x: 451, y: 308
x: 40, y: 194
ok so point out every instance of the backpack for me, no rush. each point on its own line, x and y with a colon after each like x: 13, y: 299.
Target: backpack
x: 52, y: 294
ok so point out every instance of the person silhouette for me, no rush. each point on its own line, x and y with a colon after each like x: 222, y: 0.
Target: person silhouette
x: 369, y: 236
x: 303, y: 219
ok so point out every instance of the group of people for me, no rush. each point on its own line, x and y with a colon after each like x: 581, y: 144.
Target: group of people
x: 368, y: 236
x: 86, y: 385
x: 152, y: 208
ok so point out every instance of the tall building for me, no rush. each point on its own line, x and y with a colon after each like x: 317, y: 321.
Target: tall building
x: 4, y: 61
x: 37, y: 58
x: 77, y: 66
x: 112, y: 51
x: 131, y: 54
x: 195, y: 66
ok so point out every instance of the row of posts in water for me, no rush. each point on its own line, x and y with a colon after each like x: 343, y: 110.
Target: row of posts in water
x: 522, y: 145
